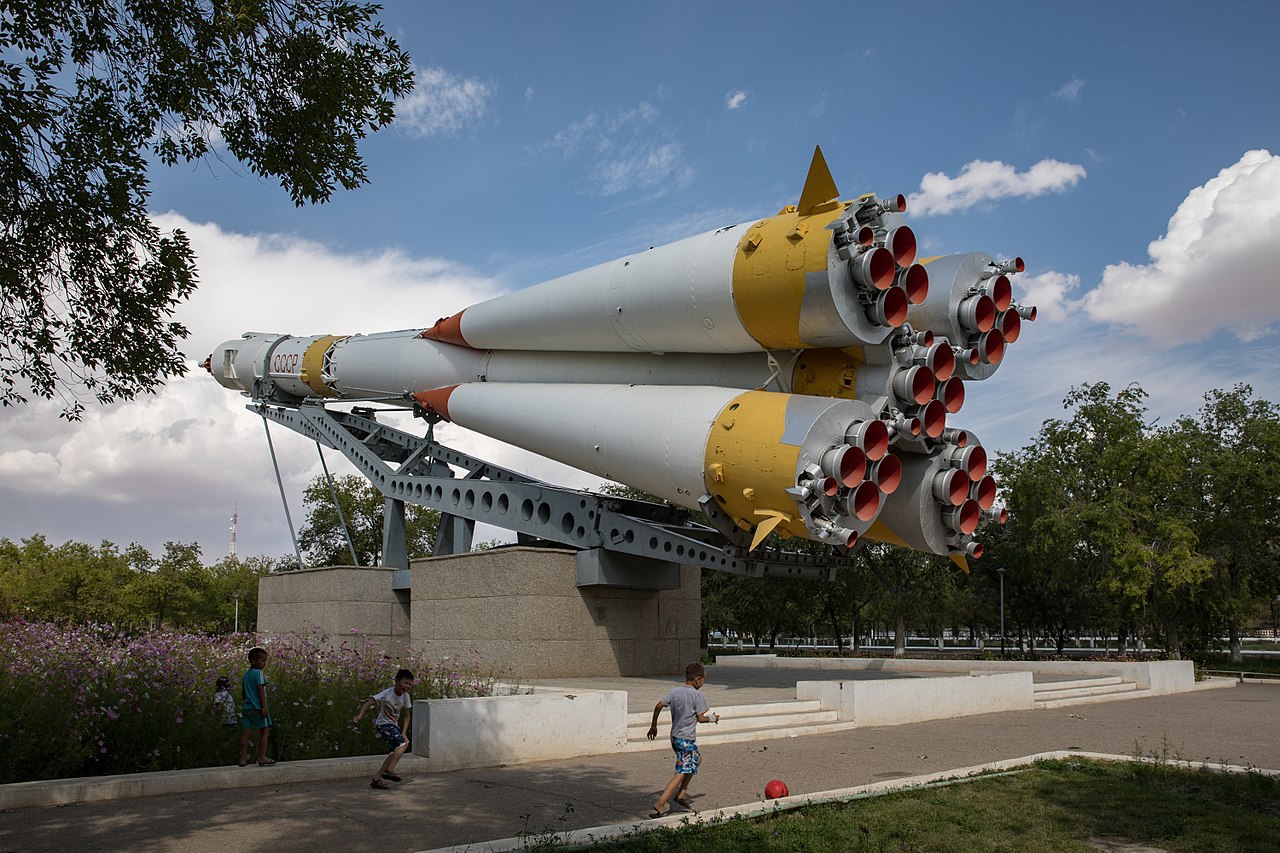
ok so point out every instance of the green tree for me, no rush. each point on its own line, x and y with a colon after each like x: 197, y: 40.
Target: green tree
x: 1096, y: 507
x: 168, y: 591
x: 73, y: 581
x: 905, y: 577
x: 843, y: 601
x: 321, y: 537
x: 1231, y: 463
x: 231, y: 594
x: 92, y: 92
x: 1068, y: 501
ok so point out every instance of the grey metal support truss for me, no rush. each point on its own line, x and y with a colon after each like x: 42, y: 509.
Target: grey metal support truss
x: 411, y: 469
x: 395, y: 551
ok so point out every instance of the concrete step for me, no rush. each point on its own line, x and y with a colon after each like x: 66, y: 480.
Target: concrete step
x: 762, y: 709
x: 730, y: 723
x: 1084, y: 700
x: 1073, y: 692
x: 1040, y: 686
x: 704, y: 739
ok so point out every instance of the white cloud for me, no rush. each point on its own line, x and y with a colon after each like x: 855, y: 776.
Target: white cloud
x: 1070, y: 91
x: 174, y: 465
x: 1050, y: 358
x: 642, y: 166
x: 988, y: 180
x: 275, y: 282
x: 442, y: 104
x: 1048, y: 292
x: 572, y: 138
x: 630, y: 148
x: 735, y: 100
x: 23, y: 465
x: 642, y: 114
x: 1214, y: 268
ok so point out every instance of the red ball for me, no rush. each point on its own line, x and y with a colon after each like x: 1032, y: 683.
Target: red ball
x: 775, y: 789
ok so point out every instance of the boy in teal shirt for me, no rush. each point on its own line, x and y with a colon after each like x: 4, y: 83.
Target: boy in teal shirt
x: 254, y: 716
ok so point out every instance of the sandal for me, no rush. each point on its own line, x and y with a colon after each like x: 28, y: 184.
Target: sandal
x: 266, y: 762
x: 380, y: 785
x: 391, y: 777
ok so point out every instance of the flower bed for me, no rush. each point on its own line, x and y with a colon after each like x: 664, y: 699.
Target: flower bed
x: 90, y: 700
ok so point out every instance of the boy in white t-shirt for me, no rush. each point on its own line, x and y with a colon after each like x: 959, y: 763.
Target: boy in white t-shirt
x: 395, y: 708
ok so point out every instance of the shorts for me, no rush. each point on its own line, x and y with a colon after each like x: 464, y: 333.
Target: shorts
x: 687, y: 756
x: 390, y: 732
x: 251, y: 718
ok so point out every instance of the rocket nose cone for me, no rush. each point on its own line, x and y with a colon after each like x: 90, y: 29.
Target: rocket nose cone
x: 436, y: 401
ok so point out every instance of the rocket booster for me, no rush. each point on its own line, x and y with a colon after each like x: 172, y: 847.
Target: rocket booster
x: 798, y: 370
x: 804, y: 466
x: 823, y: 273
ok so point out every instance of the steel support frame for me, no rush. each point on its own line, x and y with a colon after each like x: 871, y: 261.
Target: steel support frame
x: 419, y: 470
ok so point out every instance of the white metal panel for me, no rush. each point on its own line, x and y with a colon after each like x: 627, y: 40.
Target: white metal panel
x: 731, y: 370
x: 400, y: 362
x: 674, y: 298
x: 649, y: 437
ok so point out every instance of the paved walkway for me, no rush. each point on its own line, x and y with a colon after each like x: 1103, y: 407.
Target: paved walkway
x: 1240, y: 725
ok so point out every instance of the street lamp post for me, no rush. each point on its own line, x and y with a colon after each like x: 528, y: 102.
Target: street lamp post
x: 1000, y: 572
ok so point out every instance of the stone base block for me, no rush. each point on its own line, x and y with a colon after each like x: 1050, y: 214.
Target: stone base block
x: 337, y: 602
x: 517, y: 609
x: 521, y: 609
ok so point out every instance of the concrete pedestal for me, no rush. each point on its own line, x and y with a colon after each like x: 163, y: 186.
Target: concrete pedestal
x: 517, y: 608
x: 337, y: 602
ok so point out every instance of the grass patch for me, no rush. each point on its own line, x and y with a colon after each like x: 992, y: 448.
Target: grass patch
x: 1057, y: 805
x: 1249, y: 664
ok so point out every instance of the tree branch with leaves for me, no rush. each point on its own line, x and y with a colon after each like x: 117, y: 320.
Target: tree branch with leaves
x: 92, y: 94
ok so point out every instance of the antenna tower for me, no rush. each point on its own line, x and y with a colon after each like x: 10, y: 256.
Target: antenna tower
x: 235, y: 519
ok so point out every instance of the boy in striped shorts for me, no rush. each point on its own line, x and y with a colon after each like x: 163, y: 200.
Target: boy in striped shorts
x: 688, y: 708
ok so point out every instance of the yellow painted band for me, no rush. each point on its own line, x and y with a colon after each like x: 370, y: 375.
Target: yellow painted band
x: 749, y: 468
x: 313, y: 363
x: 769, y: 270
x: 880, y: 532
x: 827, y: 373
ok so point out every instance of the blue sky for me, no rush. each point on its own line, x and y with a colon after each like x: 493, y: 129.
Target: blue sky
x: 1107, y: 144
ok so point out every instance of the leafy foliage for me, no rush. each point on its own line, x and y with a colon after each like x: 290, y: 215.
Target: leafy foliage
x: 79, y: 584
x: 362, y: 505
x: 91, y: 92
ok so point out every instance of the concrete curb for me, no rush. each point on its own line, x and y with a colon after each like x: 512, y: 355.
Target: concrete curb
x: 581, y: 839
x: 88, y: 789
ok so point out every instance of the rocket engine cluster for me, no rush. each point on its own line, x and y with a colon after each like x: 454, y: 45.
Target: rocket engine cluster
x: 799, y: 369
